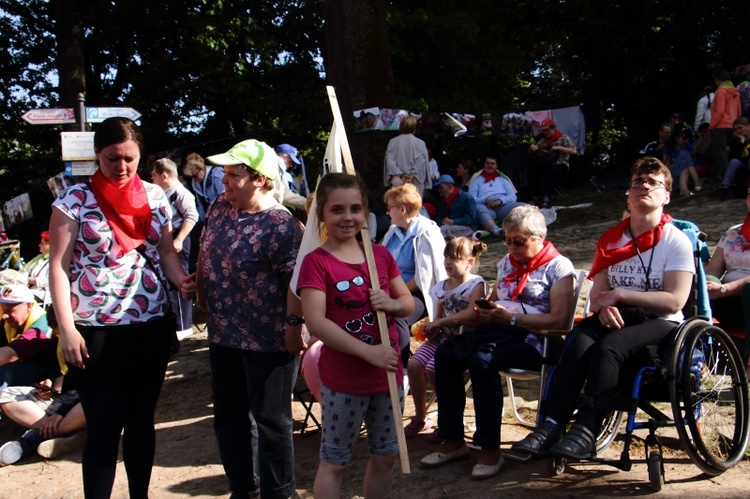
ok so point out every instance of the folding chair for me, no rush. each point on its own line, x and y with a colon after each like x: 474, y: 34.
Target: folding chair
x: 524, y: 375
x: 307, y: 399
x: 302, y: 392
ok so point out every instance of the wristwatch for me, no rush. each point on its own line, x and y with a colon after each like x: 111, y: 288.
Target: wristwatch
x: 723, y: 289
x: 293, y: 320
x: 513, y: 320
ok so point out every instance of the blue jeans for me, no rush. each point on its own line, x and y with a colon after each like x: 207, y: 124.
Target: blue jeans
x: 498, y: 213
x: 255, y: 386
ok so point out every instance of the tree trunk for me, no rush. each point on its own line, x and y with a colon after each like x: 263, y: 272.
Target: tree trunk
x: 359, y: 67
x: 70, y: 60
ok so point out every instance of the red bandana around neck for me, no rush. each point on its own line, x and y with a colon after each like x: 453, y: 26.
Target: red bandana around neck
x: 605, y: 257
x: 522, y: 273
x: 449, y: 200
x: 551, y: 140
x: 126, y: 209
x: 745, y: 231
x: 488, y: 177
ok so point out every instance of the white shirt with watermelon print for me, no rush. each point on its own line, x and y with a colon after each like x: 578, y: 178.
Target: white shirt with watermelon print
x: 108, y: 286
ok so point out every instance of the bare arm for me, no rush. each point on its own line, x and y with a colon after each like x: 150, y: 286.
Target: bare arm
x: 187, y: 226
x: 670, y: 300
x: 561, y: 307
x: 314, y: 309
x: 172, y: 266
x: 63, y: 231
x: 294, y: 336
x: 7, y: 355
x: 466, y: 317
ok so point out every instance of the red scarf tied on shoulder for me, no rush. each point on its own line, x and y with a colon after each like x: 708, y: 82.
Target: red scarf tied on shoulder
x: 605, y: 257
x: 551, y: 139
x: 126, y: 209
x: 522, y: 273
x: 745, y: 231
x: 449, y: 200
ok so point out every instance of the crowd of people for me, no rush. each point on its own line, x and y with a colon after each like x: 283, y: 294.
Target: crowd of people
x: 121, y: 282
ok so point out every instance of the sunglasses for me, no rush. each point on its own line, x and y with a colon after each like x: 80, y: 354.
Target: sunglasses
x: 652, y: 183
x: 344, y: 285
x: 516, y: 242
x: 355, y: 325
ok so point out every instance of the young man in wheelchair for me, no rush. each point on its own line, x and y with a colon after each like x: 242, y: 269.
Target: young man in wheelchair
x: 642, y: 274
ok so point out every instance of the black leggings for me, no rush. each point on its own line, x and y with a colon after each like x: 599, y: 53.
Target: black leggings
x: 108, y: 412
x: 119, y: 389
x: 595, y: 358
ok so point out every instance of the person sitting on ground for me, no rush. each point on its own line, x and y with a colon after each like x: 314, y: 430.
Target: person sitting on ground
x: 739, y: 152
x: 678, y: 121
x: 53, y: 416
x: 642, y: 272
x: 534, y: 291
x: 494, y: 195
x: 465, y: 174
x: 550, y: 160
x: 678, y: 158
x: 417, y: 245
x: 27, y: 346
x: 457, y: 211
x: 455, y: 307
x: 728, y: 278
x: 702, y: 156
x: 54, y: 420
x: 655, y: 147
x: 406, y: 159
x: 37, y: 271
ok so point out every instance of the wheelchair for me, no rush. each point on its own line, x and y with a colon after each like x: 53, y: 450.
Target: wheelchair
x: 694, y: 381
x: 701, y: 377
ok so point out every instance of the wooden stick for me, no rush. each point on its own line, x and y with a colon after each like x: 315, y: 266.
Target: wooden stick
x: 370, y: 258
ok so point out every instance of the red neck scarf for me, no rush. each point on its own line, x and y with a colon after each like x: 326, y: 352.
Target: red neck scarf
x: 551, y: 140
x: 490, y: 176
x: 126, y: 209
x: 522, y: 273
x: 745, y: 231
x: 605, y: 257
x: 451, y: 197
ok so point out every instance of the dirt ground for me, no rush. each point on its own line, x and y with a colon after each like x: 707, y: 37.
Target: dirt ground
x: 187, y: 462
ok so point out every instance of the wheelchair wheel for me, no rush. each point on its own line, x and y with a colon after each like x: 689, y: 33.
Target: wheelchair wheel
x: 608, y: 433
x: 557, y: 466
x: 655, y: 471
x: 710, y: 398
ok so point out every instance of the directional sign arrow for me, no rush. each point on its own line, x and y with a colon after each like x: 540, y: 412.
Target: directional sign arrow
x: 99, y: 114
x: 50, y: 116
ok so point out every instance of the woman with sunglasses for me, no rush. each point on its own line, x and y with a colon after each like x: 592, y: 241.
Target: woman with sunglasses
x: 534, y: 291
x: 417, y: 244
x: 642, y: 274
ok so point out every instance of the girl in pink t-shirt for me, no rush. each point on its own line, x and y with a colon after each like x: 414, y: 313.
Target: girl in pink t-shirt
x: 340, y: 308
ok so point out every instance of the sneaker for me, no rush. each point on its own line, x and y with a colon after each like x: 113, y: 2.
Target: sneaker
x: 181, y: 335
x: 14, y: 451
x: 480, y: 234
x: 55, y: 447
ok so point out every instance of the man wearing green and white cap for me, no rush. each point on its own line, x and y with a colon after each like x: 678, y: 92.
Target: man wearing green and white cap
x: 248, y: 251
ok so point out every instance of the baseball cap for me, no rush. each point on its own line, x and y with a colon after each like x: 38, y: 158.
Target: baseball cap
x: 16, y: 293
x: 445, y: 179
x: 290, y: 150
x: 252, y: 153
x: 546, y: 124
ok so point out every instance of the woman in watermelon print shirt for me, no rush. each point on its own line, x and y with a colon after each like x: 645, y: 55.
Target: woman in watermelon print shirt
x: 108, y: 239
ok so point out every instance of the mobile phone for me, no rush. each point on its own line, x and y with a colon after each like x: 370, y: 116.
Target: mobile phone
x: 46, y: 388
x: 482, y: 303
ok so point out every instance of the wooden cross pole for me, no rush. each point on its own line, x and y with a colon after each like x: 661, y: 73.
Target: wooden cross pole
x: 370, y: 257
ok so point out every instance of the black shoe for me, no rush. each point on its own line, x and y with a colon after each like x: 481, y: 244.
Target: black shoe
x: 540, y: 440
x: 578, y: 443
